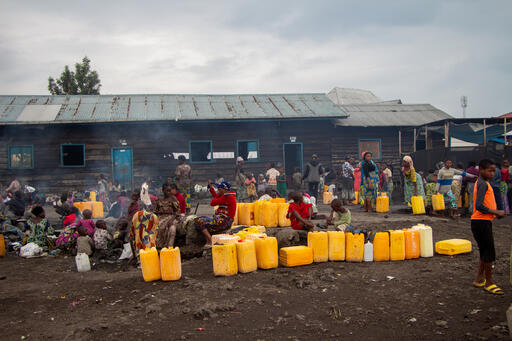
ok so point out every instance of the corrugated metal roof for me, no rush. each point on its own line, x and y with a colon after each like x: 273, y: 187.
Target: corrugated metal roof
x: 352, y: 96
x: 113, y: 108
x: 380, y: 115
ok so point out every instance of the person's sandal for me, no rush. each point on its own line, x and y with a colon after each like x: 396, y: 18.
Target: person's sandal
x: 494, y: 289
x: 479, y: 285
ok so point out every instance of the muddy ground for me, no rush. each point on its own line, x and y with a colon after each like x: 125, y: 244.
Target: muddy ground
x: 427, y: 299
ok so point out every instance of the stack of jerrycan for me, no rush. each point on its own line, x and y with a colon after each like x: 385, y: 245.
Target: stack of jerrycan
x: 295, y: 256
x: 319, y: 242
x: 354, y: 249
x: 266, y: 252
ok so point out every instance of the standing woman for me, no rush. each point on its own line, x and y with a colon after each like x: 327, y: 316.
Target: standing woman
x: 369, y: 181
x: 413, y: 182
x: 184, y: 179
x: 505, y: 178
x: 281, y: 183
x: 168, y: 212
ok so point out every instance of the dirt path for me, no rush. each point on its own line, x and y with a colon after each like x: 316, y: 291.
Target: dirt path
x: 429, y: 298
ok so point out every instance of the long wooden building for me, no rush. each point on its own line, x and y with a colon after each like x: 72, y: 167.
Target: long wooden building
x: 65, y: 142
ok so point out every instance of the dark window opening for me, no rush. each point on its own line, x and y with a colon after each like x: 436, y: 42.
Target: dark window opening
x: 248, y: 150
x: 201, y: 151
x: 72, y: 155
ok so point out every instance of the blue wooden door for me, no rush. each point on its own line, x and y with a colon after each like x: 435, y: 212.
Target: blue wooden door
x: 122, y: 164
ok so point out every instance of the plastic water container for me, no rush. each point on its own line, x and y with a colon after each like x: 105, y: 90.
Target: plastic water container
x: 150, y: 264
x: 452, y: 247
x: 368, y: 252
x: 412, y: 243
x: 84, y: 205
x: 246, y: 214
x: 426, y: 240
x: 217, y: 237
x: 257, y: 208
x: 396, y: 245
x: 382, y: 204
x: 268, y: 214
x: 246, y: 256
x: 97, y: 209
x: 82, y: 262
x: 266, y: 252
x: 354, y: 247
x: 381, y: 247
x: 254, y: 236
x: 235, y: 219
x: 336, y: 245
x: 319, y: 242
x: 327, y: 198
x: 170, y: 264
x: 224, y: 260
x: 92, y: 196
x: 282, y: 212
x: 229, y: 239
x: 295, y: 256
x: 2, y: 245
x: 438, y: 202
x: 418, y: 205
x: 356, y: 200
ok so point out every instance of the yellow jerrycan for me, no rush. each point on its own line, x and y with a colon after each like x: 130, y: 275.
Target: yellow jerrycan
x: 295, y: 256
x: 150, y: 264
x: 224, y: 260
x: 170, y: 264
x: 336, y: 245
x: 438, y: 202
x: 266, y: 252
x: 354, y: 249
x: 381, y: 247
x: 396, y: 245
x: 246, y: 256
x: 319, y: 242
x: 418, y: 205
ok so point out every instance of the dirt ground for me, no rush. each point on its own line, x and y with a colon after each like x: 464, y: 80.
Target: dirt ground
x: 427, y: 299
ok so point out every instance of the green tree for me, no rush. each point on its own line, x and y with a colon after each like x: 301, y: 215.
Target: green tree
x: 82, y: 81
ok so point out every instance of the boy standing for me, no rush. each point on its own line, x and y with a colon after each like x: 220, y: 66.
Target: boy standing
x: 485, y: 209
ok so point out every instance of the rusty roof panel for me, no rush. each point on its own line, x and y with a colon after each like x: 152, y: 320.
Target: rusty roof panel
x: 114, y: 108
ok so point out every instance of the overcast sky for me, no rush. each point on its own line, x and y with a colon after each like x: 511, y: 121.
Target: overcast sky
x: 418, y: 51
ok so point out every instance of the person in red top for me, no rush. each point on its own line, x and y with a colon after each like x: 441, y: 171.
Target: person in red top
x: 181, y: 199
x: 481, y: 225
x: 71, y: 218
x: 299, y: 213
x: 223, y: 218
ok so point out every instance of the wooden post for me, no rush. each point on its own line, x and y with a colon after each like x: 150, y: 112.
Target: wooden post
x: 426, y: 137
x: 485, y: 134
x: 414, y: 141
x: 399, y: 143
x: 446, y: 135
x: 505, y: 128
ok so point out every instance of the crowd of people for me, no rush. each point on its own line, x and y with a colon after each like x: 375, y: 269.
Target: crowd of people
x: 148, y: 220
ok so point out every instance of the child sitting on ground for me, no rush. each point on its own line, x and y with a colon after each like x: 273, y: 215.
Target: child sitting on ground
x: 121, y: 237
x: 340, y: 216
x: 84, y: 243
x: 87, y: 222
x: 101, y: 235
x: 299, y: 213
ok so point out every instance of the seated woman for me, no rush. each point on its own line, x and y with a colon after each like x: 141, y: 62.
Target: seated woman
x: 223, y: 217
x: 39, y: 228
x: 168, y: 211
